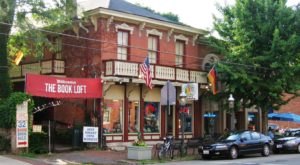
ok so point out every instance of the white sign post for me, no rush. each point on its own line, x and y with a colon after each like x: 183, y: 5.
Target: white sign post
x: 22, y: 125
x: 90, y: 134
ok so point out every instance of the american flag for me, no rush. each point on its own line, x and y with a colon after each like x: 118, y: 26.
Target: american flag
x: 145, y: 69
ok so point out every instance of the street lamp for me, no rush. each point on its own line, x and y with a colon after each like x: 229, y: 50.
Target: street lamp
x: 231, y: 101
x: 182, y: 102
x: 231, y: 106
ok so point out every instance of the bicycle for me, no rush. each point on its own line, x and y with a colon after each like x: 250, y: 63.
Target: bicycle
x: 166, y: 149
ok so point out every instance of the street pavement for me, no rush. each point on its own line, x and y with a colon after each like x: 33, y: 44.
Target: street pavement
x: 10, y: 161
x: 98, y: 157
x: 280, y: 159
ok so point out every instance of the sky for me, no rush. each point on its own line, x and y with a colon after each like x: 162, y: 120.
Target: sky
x: 196, y: 13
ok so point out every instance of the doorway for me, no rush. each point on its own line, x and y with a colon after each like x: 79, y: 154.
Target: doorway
x: 170, y: 120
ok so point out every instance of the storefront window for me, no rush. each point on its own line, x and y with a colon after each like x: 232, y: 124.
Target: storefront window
x: 188, y: 126
x: 151, y: 118
x: 113, y: 116
x: 134, y: 115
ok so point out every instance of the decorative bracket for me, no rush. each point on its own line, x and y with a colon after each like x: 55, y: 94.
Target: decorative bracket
x: 130, y: 90
x: 94, y: 22
x: 108, y: 23
x: 170, y: 32
x: 106, y: 87
x: 144, y: 92
x: 141, y: 27
x: 195, y: 39
x: 76, y: 27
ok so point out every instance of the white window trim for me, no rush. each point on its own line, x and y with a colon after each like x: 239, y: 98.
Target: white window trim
x: 155, y: 32
x: 124, y: 26
x: 181, y: 37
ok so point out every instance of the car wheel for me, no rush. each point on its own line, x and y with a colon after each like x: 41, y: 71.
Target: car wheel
x: 298, y: 148
x: 233, y: 152
x: 266, y: 150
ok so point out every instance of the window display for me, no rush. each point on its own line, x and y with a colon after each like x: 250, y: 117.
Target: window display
x: 151, y: 118
x: 113, y: 116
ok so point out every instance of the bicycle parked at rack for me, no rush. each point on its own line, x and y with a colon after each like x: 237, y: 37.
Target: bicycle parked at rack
x: 166, y: 149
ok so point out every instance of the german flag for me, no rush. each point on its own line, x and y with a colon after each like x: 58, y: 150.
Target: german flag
x: 212, y: 78
x: 19, y: 57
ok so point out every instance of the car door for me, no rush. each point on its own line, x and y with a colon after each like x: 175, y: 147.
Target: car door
x: 257, y: 141
x: 245, y: 145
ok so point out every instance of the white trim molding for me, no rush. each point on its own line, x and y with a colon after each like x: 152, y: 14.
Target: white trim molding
x: 170, y: 32
x: 109, y: 22
x: 181, y: 37
x: 195, y: 39
x: 94, y: 20
x: 141, y: 28
x: 124, y: 26
x: 155, y: 32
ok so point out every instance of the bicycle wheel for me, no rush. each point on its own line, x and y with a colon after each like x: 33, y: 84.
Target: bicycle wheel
x: 170, y: 153
x: 161, y: 153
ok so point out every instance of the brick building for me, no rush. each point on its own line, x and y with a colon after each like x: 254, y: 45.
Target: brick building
x: 112, y: 44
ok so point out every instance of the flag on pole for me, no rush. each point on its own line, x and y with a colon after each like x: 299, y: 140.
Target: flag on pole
x: 212, y: 78
x: 19, y: 57
x: 145, y: 69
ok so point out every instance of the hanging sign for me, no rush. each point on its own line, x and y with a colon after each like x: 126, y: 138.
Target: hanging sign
x: 22, y: 125
x: 191, y: 90
x: 59, y: 87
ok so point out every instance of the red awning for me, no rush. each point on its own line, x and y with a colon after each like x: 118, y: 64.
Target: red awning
x: 58, y: 87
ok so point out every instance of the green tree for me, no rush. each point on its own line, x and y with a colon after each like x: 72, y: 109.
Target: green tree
x: 26, y: 17
x: 260, y: 45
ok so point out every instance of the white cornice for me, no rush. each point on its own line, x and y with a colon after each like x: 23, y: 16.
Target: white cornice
x: 128, y: 16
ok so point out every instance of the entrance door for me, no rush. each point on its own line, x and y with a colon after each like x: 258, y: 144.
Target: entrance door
x: 170, y: 121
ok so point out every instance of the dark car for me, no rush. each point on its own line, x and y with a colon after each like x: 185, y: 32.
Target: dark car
x: 237, y: 143
x: 290, y: 141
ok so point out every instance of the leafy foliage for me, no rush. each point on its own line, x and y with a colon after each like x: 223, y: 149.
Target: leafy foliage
x: 260, y: 47
x: 8, y: 109
x: 37, y: 142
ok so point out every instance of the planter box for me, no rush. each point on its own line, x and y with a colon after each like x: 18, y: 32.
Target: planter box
x: 139, y: 153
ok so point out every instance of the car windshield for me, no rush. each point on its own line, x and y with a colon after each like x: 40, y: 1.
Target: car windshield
x: 230, y: 137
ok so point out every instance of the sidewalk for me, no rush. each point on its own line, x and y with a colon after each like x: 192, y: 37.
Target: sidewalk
x: 98, y: 157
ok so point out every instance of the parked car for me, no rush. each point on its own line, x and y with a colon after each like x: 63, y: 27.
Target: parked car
x: 290, y: 142
x: 236, y: 144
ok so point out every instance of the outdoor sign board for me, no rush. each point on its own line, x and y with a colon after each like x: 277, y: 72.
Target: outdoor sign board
x: 90, y: 134
x: 60, y: 87
x: 191, y: 90
x: 22, y: 125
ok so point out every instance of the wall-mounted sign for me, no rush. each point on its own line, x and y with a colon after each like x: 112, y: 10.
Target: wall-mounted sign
x: 36, y: 128
x: 59, y: 87
x: 191, y: 90
x: 90, y: 134
x: 22, y: 125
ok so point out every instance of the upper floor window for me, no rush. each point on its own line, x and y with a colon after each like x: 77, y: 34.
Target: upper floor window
x: 123, y: 38
x: 153, y: 49
x: 180, y: 49
x: 57, y: 48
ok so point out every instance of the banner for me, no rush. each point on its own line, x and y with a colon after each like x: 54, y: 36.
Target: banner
x: 22, y: 125
x: 59, y: 87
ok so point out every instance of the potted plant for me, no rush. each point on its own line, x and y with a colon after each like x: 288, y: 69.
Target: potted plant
x: 139, y: 150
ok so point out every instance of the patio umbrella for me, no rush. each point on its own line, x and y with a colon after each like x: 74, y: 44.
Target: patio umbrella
x: 285, y: 117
